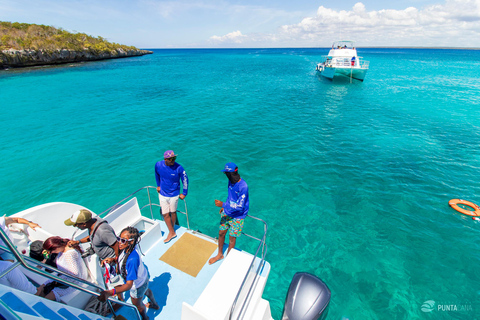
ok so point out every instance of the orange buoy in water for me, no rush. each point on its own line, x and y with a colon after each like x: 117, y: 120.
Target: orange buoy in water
x: 454, y: 203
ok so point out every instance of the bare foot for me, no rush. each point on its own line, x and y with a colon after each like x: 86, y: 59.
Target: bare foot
x: 150, y: 305
x: 215, y: 259
x: 170, y: 237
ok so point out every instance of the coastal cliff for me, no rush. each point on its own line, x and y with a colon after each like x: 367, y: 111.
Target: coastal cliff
x: 27, y: 58
x: 26, y: 45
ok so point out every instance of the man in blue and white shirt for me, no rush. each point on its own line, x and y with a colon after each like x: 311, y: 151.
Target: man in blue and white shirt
x: 168, y: 174
x: 233, y: 211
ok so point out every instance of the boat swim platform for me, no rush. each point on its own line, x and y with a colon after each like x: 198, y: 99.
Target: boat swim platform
x: 180, y: 273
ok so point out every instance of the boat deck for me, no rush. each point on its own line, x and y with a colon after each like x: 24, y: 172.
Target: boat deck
x: 185, y: 286
x: 171, y: 286
x: 175, y: 282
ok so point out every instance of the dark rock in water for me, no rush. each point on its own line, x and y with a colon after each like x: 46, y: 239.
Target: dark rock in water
x: 28, y: 58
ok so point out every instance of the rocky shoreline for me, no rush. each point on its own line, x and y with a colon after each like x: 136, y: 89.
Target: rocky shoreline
x: 29, y: 58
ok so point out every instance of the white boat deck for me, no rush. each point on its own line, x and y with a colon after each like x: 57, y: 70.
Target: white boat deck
x: 173, y: 287
x: 208, y: 292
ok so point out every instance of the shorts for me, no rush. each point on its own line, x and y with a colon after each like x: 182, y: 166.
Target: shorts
x: 234, y: 226
x: 139, y: 293
x: 168, y: 204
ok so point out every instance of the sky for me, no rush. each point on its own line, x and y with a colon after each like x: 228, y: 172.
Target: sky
x: 152, y: 24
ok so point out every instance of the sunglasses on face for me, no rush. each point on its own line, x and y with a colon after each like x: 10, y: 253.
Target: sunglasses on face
x: 122, y: 240
x: 46, y: 254
x: 171, y: 159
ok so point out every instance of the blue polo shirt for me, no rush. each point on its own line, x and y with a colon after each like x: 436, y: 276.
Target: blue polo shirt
x: 169, y: 177
x: 237, y: 204
x: 135, y: 268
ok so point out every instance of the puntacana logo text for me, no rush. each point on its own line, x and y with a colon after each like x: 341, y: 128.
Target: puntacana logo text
x: 429, y: 306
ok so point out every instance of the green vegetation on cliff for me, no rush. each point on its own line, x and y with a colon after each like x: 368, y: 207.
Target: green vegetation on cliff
x: 25, y: 36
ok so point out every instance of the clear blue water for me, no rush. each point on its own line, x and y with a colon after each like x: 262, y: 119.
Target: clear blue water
x: 353, y: 179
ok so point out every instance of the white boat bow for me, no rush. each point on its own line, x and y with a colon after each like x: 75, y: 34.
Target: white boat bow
x: 343, y: 61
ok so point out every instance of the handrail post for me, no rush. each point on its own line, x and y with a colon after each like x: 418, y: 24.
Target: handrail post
x: 186, y: 213
x: 150, y: 202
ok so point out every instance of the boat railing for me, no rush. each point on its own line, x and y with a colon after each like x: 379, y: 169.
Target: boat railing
x: 146, y: 203
x: 255, y: 268
x: 252, y: 269
x: 364, y: 64
x: 346, y: 62
x: 21, y: 260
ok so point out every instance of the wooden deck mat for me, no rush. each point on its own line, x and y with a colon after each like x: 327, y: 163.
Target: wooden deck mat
x: 189, y: 254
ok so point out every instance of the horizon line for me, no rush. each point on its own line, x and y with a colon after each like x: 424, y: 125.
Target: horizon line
x: 368, y: 47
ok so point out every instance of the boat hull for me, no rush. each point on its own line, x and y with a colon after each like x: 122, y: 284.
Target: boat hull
x: 354, y: 73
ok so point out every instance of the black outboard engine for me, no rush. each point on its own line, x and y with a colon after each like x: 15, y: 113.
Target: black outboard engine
x: 307, y: 298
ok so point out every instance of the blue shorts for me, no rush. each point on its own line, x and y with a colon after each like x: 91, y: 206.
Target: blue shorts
x: 139, y: 293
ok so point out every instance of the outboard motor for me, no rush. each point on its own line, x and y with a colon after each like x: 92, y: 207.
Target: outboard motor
x: 307, y: 298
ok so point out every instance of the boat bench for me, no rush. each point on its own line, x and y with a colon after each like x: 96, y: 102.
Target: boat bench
x: 126, y: 215
x: 129, y: 215
x: 23, y: 235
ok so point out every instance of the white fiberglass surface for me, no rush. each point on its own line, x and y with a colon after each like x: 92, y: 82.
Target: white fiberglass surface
x: 171, y: 286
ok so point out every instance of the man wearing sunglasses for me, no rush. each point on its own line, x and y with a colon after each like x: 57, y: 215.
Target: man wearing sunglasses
x: 168, y: 175
x: 233, y: 211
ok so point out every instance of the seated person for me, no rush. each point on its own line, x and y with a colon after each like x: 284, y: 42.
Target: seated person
x: 15, y: 278
x: 69, y: 260
x: 36, y: 252
x: 101, y: 236
x: 4, y: 223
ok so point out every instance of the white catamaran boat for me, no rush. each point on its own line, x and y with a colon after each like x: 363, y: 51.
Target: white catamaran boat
x: 343, y: 61
x: 186, y: 287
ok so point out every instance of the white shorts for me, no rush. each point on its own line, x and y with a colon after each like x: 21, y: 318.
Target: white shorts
x: 168, y: 204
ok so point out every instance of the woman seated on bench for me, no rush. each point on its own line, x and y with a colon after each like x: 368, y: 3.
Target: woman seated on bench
x: 69, y: 260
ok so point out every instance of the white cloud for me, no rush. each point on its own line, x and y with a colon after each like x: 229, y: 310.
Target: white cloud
x: 232, y: 37
x: 453, y: 23
x: 209, y: 23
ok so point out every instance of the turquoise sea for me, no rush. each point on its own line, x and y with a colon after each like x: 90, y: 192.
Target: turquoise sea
x: 353, y: 179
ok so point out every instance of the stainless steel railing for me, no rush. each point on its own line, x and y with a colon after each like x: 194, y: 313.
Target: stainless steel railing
x: 260, y: 253
x: 262, y: 245
x: 150, y: 204
x: 21, y: 260
x: 8, y: 312
x: 347, y: 62
x: 364, y: 64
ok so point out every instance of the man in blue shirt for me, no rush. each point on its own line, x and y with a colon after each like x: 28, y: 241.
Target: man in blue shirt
x: 233, y: 211
x: 168, y: 174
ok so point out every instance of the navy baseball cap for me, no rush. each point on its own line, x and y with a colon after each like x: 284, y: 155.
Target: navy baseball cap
x: 230, y: 167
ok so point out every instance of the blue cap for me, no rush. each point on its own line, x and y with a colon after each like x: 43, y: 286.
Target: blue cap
x: 230, y: 167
